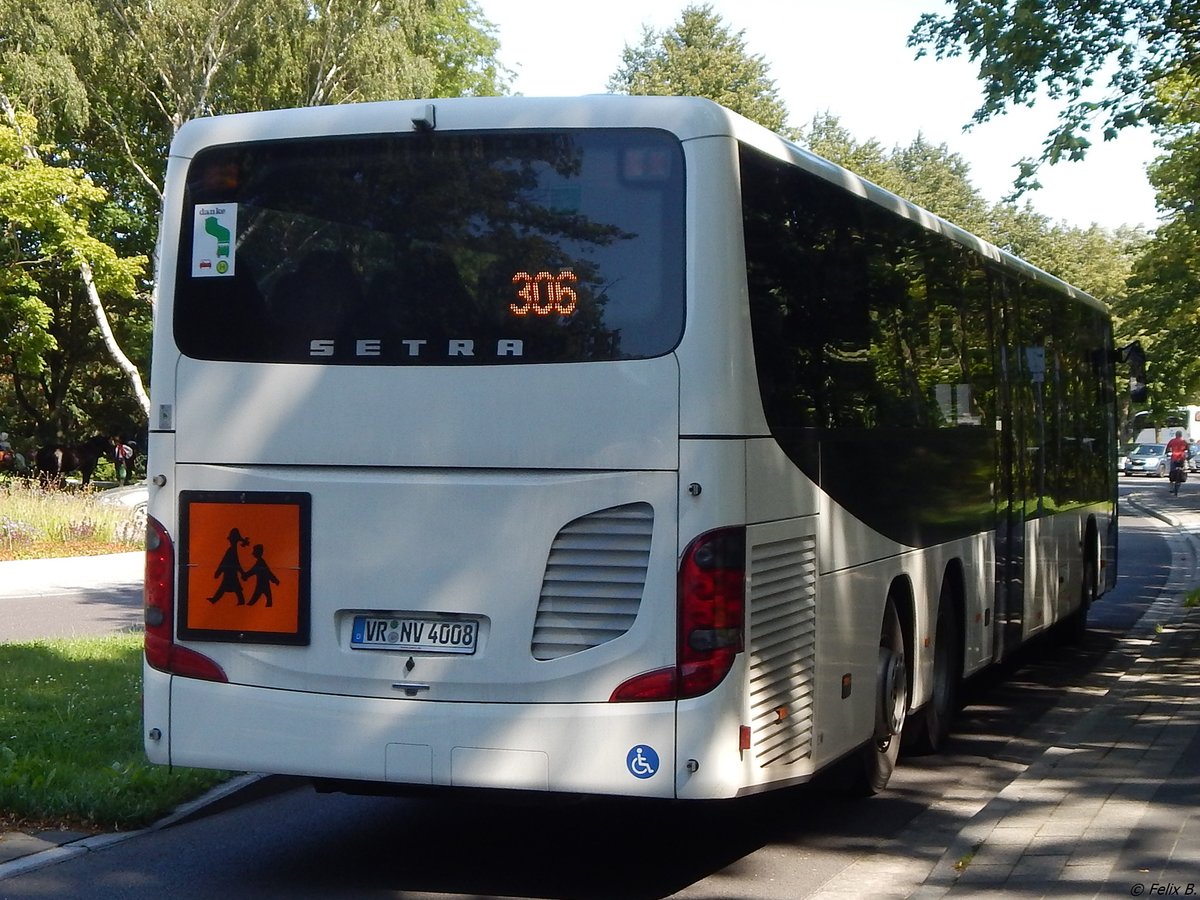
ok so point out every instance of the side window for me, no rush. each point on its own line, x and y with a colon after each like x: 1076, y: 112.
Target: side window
x: 861, y: 318
x: 872, y: 341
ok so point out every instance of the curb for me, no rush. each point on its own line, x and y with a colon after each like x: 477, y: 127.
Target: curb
x: 240, y: 789
x: 1155, y: 514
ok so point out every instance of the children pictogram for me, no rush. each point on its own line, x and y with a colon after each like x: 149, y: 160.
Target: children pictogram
x: 245, y: 564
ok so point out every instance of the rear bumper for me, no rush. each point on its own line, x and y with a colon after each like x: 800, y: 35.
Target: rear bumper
x: 581, y: 748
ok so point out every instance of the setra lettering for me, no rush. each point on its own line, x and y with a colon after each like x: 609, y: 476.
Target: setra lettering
x: 416, y: 348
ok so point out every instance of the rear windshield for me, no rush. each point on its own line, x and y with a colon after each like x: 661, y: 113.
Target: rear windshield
x: 434, y: 249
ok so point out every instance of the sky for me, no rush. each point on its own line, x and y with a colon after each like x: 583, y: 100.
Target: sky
x: 847, y: 58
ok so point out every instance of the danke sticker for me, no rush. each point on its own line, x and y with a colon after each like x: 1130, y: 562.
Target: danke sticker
x: 213, y: 240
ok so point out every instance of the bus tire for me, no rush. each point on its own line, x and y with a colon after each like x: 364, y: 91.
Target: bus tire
x: 877, y: 758
x: 1074, y: 627
x: 928, y: 730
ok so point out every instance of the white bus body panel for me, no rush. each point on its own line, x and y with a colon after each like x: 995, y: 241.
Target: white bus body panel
x: 540, y: 746
x: 526, y: 417
x: 459, y: 543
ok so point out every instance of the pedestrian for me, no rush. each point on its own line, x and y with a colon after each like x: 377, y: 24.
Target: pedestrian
x: 10, y: 458
x: 122, y: 457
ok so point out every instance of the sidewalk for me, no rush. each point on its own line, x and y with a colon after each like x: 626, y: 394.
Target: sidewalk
x: 1110, y: 808
x: 41, y: 577
x: 1113, y: 808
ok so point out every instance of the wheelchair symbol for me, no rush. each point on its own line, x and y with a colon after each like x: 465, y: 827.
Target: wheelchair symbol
x: 642, y: 761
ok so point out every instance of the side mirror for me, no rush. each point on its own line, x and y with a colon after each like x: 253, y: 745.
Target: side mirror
x: 1139, y: 386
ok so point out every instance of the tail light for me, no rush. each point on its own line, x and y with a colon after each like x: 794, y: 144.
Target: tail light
x: 162, y: 652
x: 712, y: 609
x: 711, y: 621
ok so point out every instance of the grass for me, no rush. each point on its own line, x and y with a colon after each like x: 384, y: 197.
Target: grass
x: 70, y: 710
x: 37, y: 523
x: 71, y: 739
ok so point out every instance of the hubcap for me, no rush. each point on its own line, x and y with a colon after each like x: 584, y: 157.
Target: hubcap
x: 890, y: 709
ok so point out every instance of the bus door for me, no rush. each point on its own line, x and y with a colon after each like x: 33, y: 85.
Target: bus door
x: 1012, y: 479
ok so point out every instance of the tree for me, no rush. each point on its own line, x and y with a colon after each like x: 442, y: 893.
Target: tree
x: 939, y: 180
x: 1161, y: 310
x: 828, y: 138
x: 1149, y: 53
x: 701, y: 57
x: 1062, y: 47
x: 52, y: 267
x: 113, y: 82
x: 464, y: 45
x: 148, y: 68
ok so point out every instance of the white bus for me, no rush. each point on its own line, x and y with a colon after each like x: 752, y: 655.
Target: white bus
x: 605, y: 445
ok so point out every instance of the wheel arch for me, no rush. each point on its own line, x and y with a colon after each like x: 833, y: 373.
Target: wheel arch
x: 954, y: 587
x: 900, y: 593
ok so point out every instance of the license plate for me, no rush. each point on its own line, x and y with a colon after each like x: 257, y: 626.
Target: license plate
x: 410, y: 633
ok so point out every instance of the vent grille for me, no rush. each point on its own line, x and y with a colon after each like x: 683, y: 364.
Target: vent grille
x: 594, y: 581
x: 783, y: 605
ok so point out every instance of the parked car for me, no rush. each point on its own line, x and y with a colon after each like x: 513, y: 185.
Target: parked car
x: 133, y: 497
x: 1148, y: 459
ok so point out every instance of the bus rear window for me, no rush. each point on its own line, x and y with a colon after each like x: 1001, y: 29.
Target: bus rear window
x: 434, y: 249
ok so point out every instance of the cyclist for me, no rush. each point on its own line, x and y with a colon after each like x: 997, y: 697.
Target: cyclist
x: 1178, y: 449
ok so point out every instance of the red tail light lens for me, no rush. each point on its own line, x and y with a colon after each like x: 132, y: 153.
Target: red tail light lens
x: 162, y: 653
x: 712, y: 609
x: 711, y: 619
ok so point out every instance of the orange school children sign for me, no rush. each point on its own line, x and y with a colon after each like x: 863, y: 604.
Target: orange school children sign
x: 244, y: 566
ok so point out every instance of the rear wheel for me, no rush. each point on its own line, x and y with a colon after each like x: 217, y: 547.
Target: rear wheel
x: 878, y: 758
x: 928, y: 730
x: 1074, y: 627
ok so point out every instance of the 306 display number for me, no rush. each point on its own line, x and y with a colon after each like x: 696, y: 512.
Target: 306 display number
x: 544, y: 294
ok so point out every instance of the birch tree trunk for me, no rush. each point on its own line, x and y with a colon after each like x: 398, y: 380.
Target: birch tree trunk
x: 123, y: 362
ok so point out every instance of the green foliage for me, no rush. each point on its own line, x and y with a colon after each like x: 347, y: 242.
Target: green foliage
x: 70, y: 737
x: 465, y: 45
x: 939, y: 180
x: 145, y: 69
x: 1162, y: 310
x: 700, y: 57
x: 40, y: 42
x: 828, y: 138
x: 111, y: 83
x: 1060, y: 48
x: 47, y: 339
